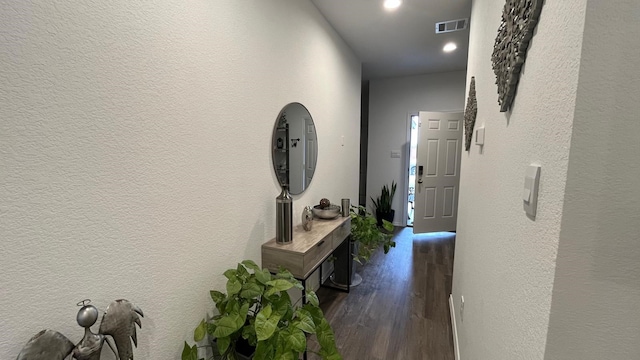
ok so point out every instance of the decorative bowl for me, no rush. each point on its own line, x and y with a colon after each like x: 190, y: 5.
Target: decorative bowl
x: 328, y: 213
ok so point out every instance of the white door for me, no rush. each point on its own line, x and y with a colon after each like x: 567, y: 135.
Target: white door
x: 438, y: 171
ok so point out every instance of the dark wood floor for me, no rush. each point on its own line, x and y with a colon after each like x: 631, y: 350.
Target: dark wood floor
x: 401, y: 309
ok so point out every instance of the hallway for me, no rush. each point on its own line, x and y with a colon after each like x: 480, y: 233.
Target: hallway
x: 401, y: 309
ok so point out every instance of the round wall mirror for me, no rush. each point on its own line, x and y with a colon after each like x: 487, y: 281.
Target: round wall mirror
x: 295, y: 148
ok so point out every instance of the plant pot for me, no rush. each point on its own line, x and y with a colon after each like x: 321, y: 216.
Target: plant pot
x: 356, y: 279
x: 386, y: 216
x: 242, y: 348
x: 345, y: 275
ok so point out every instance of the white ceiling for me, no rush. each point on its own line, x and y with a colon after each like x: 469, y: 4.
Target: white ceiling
x: 402, y: 42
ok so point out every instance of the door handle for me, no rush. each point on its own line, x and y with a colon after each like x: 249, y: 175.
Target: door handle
x: 420, y: 172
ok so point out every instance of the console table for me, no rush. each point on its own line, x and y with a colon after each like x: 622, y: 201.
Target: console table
x: 309, y: 249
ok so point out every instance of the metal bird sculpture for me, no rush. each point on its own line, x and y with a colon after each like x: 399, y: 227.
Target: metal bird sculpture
x: 118, y: 322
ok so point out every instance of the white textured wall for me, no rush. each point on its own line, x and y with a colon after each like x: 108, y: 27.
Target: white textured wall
x: 595, y: 311
x: 135, y: 152
x: 391, y: 101
x: 504, y: 261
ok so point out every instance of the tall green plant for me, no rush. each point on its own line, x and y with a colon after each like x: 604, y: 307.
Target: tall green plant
x: 365, y: 230
x: 382, y: 203
x: 258, y: 309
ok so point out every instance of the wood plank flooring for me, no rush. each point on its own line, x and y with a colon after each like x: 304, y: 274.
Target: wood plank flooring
x: 401, y: 309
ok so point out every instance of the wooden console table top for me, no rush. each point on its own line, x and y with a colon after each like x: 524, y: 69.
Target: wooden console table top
x: 308, y: 249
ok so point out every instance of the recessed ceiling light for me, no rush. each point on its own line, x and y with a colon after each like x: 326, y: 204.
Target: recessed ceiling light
x: 392, y: 4
x: 449, y: 47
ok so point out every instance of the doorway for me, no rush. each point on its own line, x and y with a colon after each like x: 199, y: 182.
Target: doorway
x: 437, y: 177
x: 414, y: 120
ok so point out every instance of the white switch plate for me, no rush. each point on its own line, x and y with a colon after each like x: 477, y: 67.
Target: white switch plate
x: 480, y: 136
x: 395, y: 154
x: 530, y: 191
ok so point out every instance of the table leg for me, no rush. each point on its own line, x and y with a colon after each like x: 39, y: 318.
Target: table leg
x: 304, y: 294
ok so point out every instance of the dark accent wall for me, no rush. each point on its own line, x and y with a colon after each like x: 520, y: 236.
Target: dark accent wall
x: 364, y: 142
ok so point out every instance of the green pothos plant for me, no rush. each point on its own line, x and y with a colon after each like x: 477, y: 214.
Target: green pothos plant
x: 370, y: 237
x: 258, y: 310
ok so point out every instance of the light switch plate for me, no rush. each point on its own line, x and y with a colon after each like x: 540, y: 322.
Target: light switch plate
x: 530, y: 192
x: 480, y: 136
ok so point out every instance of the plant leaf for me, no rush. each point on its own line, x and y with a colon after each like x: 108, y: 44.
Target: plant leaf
x: 242, y: 272
x: 331, y: 355
x: 230, y: 274
x: 283, y: 273
x: 233, y: 286
x: 325, y: 336
x: 286, y: 356
x: 305, y: 321
x: 312, y: 298
x: 267, y: 310
x: 387, y: 225
x: 244, y: 310
x: 266, y: 323
x: 227, y: 325
x: 211, y: 328
x: 264, y: 350
x: 298, y: 285
x: 263, y: 276
x: 251, y: 290
x: 281, y: 304
x: 217, y: 296
x: 223, y: 344
x: 200, y: 331
x: 316, y: 314
x: 296, y: 340
x: 279, y: 285
x: 287, y: 275
x: 251, y: 265
x: 232, y: 307
x: 189, y: 353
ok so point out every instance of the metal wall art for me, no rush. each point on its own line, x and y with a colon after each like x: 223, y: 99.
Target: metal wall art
x: 470, y: 114
x: 118, y: 322
x: 519, y: 19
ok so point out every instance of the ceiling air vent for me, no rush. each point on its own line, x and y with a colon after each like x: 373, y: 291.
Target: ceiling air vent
x: 451, y: 25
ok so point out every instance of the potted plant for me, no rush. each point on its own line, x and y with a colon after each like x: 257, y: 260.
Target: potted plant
x: 366, y: 238
x: 382, y: 204
x: 256, y: 311
x: 367, y: 235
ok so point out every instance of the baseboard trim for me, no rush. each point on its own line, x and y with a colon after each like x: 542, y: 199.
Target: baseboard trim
x: 454, y: 328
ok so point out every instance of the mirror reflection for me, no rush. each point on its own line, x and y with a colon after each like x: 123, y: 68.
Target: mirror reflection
x: 295, y: 148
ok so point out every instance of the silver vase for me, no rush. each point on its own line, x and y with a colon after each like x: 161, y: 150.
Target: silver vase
x: 284, y: 221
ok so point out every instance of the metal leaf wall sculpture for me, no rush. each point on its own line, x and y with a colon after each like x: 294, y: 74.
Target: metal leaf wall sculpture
x: 470, y: 114
x: 519, y: 19
x: 118, y: 322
